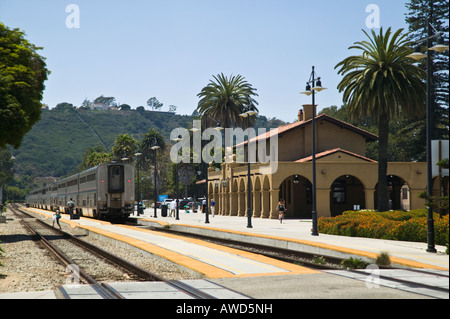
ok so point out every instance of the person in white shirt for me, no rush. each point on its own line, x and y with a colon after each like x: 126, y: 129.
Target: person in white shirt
x: 173, y: 207
x: 204, y: 206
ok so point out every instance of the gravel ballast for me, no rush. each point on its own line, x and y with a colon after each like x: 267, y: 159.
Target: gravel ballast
x: 29, y: 267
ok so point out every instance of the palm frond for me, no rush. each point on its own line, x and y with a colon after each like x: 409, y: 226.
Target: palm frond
x: 224, y: 98
x: 382, y: 81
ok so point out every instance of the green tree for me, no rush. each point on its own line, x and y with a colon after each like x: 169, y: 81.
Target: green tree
x: 22, y: 76
x: 382, y: 83
x: 437, y: 13
x: 124, y: 107
x: 140, y: 109
x: 94, y: 156
x: 6, y: 167
x: 63, y: 106
x: 15, y: 194
x: 223, y: 99
x: 154, y: 103
x: 124, y: 145
x: 172, y: 108
x: 154, y: 138
x: 150, y: 139
x: 86, y: 103
x: 107, y: 100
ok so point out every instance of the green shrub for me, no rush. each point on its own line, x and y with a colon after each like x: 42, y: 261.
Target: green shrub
x: 392, y: 225
x: 383, y: 259
x: 353, y: 263
x: 318, y: 260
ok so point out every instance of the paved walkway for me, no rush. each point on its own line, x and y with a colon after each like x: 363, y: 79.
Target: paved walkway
x: 210, y: 260
x: 272, y: 279
x: 300, y: 231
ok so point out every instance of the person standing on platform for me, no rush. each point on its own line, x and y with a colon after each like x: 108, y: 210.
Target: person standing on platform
x: 71, y: 205
x: 281, y: 210
x: 203, y: 205
x: 173, y: 207
x: 213, y: 203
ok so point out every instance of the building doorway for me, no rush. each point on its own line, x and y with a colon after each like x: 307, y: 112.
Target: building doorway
x: 296, y: 191
x: 395, y: 193
x: 346, y: 193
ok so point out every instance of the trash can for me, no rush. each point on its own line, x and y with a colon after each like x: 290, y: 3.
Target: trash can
x: 164, y: 210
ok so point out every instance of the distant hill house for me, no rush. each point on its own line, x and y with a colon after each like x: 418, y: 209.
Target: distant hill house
x: 346, y: 178
x: 98, y: 106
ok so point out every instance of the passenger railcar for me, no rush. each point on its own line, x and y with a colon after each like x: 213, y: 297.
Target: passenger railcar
x: 105, y: 191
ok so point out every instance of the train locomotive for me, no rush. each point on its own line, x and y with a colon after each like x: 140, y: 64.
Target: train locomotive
x: 102, y: 192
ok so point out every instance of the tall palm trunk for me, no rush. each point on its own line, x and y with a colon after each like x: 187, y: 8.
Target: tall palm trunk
x: 383, y: 134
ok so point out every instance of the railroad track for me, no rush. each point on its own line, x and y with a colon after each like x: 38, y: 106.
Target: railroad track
x: 42, y: 232
x: 332, y: 265
x: 431, y: 284
x: 391, y: 275
x: 306, y: 259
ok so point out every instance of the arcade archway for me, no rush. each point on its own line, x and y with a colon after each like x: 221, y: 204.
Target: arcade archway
x: 346, y: 193
x: 296, y: 191
x: 398, y: 195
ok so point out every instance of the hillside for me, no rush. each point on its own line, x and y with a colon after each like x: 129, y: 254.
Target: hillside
x: 56, y: 144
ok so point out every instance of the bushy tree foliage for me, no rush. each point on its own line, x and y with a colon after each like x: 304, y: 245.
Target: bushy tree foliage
x: 22, y: 75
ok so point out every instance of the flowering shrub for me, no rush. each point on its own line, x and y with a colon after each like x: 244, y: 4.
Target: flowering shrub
x: 395, y: 225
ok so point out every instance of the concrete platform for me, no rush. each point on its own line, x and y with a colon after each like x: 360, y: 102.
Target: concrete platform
x: 265, y: 278
x: 296, y: 234
x: 44, y: 294
x: 205, y: 259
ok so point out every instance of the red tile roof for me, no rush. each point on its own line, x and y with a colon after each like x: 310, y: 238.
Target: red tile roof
x: 335, y: 150
x: 285, y: 128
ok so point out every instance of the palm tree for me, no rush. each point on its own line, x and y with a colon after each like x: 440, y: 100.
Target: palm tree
x: 124, y: 145
x: 148, y: 141
x: 223, y: 99
x: 382, y: 84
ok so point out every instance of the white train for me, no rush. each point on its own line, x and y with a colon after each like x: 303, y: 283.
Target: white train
x: 104, y: 192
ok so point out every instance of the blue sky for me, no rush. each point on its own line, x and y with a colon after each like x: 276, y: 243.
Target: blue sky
x: 137, y: 49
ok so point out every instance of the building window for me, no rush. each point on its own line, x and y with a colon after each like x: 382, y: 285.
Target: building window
x: 404, y: 193
x: 338, y: 189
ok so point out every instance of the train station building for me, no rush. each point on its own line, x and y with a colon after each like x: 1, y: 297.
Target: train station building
x: 345, y: 178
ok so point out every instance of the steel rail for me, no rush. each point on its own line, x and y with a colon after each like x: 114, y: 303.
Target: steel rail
x: 103, y: 291
x: 333, y: 262
x: 138, y: 271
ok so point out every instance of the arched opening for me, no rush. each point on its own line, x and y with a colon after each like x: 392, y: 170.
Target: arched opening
x: 346, y: 193
x: 395, y: 193
x: 405, y: 197
x: 296, y: 191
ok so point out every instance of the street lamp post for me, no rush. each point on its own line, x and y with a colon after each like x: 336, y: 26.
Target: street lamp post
x: 177, y: 217
x: 139, y: 209
x: 195, y: 129
x: 314, y: 84
x: 207, y: 197
x: 417, y: 55
x: 154, y: 148
x: 247, y: 115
